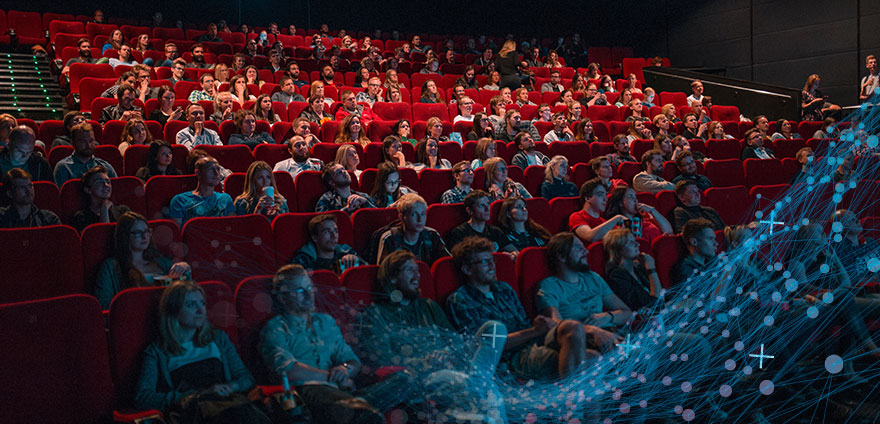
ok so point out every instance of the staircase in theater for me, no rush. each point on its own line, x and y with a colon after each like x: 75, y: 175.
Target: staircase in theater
x: 28, y: 89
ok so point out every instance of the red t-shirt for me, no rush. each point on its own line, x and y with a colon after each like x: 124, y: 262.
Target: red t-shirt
x: 581, y: 217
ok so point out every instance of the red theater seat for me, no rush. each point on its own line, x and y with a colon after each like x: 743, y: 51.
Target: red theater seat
x: 162, y: 188
x: 732, y: 203
x: 229, y: 248
x: 33, y: 269
x: 725, y: 173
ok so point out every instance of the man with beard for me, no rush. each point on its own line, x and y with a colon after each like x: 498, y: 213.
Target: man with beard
x: 412, y: 235
x: 293, y: 73
x: 687, y: 169
x: 327, y: 74
x: 323, y: 251
x: 22, y: 212
x: 650, y: 180
x: 208, y: 90
x: 125, y: 110
x: 299, y: 158
x: 341, y: 196
x: 308, y: 349
x: 527, y: 154
x: 198, y: 58
x: 83, y: 157
x: 85, y: 55
x: 402, y: 321
x: 541, y: 349
x: 480, y: 224
x: 576, y: 293
x: 621, y: 154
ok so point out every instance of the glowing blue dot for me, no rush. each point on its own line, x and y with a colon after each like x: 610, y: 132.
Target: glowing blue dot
x: 667, y: 380
x: 738, y: 346
x: 766, y: 387
x: 834, y: 364
x: 777, y: 266
x: 688, y: 415
x: 725, y: 391
x: 786, y: 274
x: 837, y: 238
x: 812, y: 312
x: 791, y: 284
x: 758, y: 196
x: 837, y: 198
x: 839, y: 187
x: 874, y: 264
x: 811, y: 180
x: 787, y: 199
x: 730, y: 364
x: 763, y: 237
x: 759, y: 214
x: 776, y: 296
x: 805, y: 221
x: 678, y: 409
x: 872, y: 141
x: 852, y: 184
x: 837, y: 227
x: 725, y: 333
x: 768, y: 320
x: 686, y: 386
x: 828, y: 297
x: 747, y: 370
x: 824, y: 268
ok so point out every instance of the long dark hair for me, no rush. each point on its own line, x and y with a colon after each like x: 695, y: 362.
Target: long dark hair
x: 153, y: 163
x: 478, y: 127
x: 422, y: 152
x: 385, y: 169
x: 130, y: 276
x: 615, y: 201
x: 532, y: 227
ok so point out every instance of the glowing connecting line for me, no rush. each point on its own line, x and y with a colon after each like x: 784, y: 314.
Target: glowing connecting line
x: 628, y: 346
x: 761, y: 357
x: 772, y: 222
x: 495, y: 335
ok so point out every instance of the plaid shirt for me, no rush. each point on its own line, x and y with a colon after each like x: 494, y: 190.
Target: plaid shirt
x: 332, y: 201
x: 468, y: 308
x: 199, y: 95
x: 454, y: 195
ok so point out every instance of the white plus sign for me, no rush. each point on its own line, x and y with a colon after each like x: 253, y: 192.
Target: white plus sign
x: 761, y: 357
x: 772, y: 221
x: 495, y: 335
x: 627, y: 347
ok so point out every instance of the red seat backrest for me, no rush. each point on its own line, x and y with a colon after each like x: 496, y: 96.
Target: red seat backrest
x: 367, y: 220
x: 668, y: 250
x: 26, y: 24
x: 393, y: 111
x: 724, y: 113
x: 236, y: 158
x: 271, y: 153
x: 161, y: 188
x: 723, y: 149
x: 229, y: 248
x: 434, y: 182
x: 562, y: 208
x: 732, y: 203
x: 38, y: 356
x: 725, y: 172
x: 425, y: 111
x: 444, y: 217
x: 31, y: 267
x: 763, y: 172
x: 677, y: 98
x: 604, y: 113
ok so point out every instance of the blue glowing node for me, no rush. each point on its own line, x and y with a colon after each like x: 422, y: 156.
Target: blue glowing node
x: 872, y: 141
x: 837, y: 227
x: 812, y: 312
x: 834, y: 364
x: 874, y: 264
x: 766, y: 387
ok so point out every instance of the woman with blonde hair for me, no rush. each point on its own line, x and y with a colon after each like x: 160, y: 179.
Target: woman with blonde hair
x: 484, y: 151
x: 347, y: 156
x: 134, y: 132
x: 221, y: 75
x: 668, y: 110
x: 317, y: 89
x: 556, y: 179
x: 507, y: 63
x: 351, y: 131
x: 631, y: 275
x: 716, y: 131
x: 260, y: 193
x: 498, y: 184
x: 223, y: 107
x: 814, y: 105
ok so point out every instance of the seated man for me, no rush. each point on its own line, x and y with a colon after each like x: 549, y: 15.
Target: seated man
x: 143, y: 89
x: 527, y: 155
x: 124, y: 110
x: 204, y: 200
x: 638, y: 111
x: 699, y: 238
x: 299, y: 158
x: 804, y: 157
x: 477, y: 204
x: 386, y: 331
x: 689, y: 195
x: 464, y: 177
x: 198, y: 59
x: 693, y: 128
x: 373, y: 93
x: 650, y: 180
x: 578, y: 294
x: 560, y: 131
x: 697, y: 91
x: 208, y: 89
x: 83, y: 157
x: 508, y: 129
x: 84, y: 48
x: 350, y: 107
x: 22, y: 213
x: 302, y: 128
x: 535, y: 350
x: 178, y: 72
x: 293, y: 73
x: 170, y: 56
x: 20, y: 152
x: 196, y: 133
x: 288, y: 93
x: 308, y: 349
x: 621, y: 151
x: 687, y: 169
x: 340, y: 196
x: 98, y: 207
x: 854, y: 249
x: 554, y: 84
x: 589, y: 223
x: 412, y: 235
x: 755, y: 149
x: 323, y: 250
x: 210, y: 36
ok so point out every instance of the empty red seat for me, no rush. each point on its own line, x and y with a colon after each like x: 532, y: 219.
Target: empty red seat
x: 725, y: 173
x: 33, y: 269
x: 576, y: 152
x: 788, y: 148
x: 628, y: 170
x: 366, y: 221
x: 765, y: 196
x: 808, y: 128
x: 677, y: 98
x: 732, y: 203
x: 562, y: 208
x: 723, y: 149
x: 434, y: 182
x: 271, y: 153
x: 425, y: 111
x: 46, y: 196
x: 162, y: 188
x: 229, y: 249
x: 39, y: 355
x: 724, y: 113
x: 604, y: 113
x: 236, y: 158
x: 67, y: 27
x: 393, y: 111
x: 444, y: 217
x: 668, y: 250
x: 763, y: 172
x: 28, y: 26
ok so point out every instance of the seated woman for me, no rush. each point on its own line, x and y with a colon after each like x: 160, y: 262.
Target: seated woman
x: 403, y: 129
x: 362, y: 78
x: 814, y: 105
x: 638, y: 131
x: 317, y: 89
x: 465, y: 110
x: 264, y: 111
x: 191, y: 358
x: 260, y: 193
x: 494, y: 80
x: 392, y: 151
x: 223, y: 106
x: 143, y: 45
x: 221, y: 75
x: 96, y: 204
x: 350, y: 131
x: 520, y: 230
x: 625, y: 98
x: 583, y: 131
x: 632, y: 82
x: 166, y: 110
x: 593, y: 71
x: 393, y: 95
x: 552, y: 60
x: 669, y: 111
x: 663, y: 143
x: 392, y: 79
x: 239, y: 90
x: 158, y: 161
x: 482, y: 128
x: 134, y: 132
x: 114, y: 41
x: 522, y: 97
x: 135, y: 261
x: 387, y: 188
x: 246, y: 130
x: 498, y: 184
x: 566, y: 98
x: 430, y: 93
x: 606, y: 84
x: 252, y: 76
x: 498, y: 109
x: 469, y: 78
x: 434, y: 130
x: 716, y: 131
x: 630, y: 274
x: 681, y: 144
x: 784, y: 131
x: 644, y: 220
x: 574, y: 113
x: 556, y: 183
x: 347, y: 156
x: 317, y: 110
x: 428, y: 156
x: 432, y: 66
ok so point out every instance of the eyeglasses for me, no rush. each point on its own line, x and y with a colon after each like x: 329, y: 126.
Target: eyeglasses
x: 484, y: 262
x: 141, y: 234
x: 301, y: 290
x: 466, y: 171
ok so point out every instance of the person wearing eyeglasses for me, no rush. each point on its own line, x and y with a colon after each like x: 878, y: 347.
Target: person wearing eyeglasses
x: 465, y: 109
x: 373, y: 93
x: 308, y: 348
x: 479, y: 224
x: 464, y: 177
x: 136, y: 262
